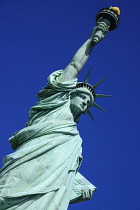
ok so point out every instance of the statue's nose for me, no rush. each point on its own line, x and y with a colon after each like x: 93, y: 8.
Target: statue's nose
x: 84, y: 104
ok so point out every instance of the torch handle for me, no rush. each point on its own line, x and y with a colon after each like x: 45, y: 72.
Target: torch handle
x: 101, y: 29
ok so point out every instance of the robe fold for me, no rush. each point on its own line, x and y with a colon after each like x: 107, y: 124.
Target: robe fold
x: 40, y: 173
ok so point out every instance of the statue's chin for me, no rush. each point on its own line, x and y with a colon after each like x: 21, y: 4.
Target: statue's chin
x: 75, y: 110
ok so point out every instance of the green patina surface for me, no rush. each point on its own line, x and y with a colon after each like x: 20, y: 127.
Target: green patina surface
x: 42, y: 172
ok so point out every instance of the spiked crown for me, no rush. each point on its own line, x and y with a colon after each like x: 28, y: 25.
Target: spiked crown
x: 92, y: 88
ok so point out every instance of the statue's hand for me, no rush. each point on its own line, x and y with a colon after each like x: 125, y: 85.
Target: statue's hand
x: 99, y: 32
x: 86, y: 193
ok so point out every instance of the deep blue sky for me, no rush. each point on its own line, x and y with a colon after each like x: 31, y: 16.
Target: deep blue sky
x: 38, y: 37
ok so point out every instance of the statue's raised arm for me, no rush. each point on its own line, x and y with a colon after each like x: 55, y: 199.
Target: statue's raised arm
x: 103, y: 25
x: 42, y: 173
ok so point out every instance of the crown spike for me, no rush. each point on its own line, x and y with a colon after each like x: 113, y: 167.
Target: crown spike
x: 97, y: 106
x: 90, y: 114
x: 101, y: 95
x: 98, y: 83
x: 87, y: 76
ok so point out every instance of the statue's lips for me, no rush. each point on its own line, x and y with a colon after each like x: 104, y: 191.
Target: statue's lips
x: 82, y: 106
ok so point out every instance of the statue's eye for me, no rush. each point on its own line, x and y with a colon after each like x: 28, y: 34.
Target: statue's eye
x: 83, y: 96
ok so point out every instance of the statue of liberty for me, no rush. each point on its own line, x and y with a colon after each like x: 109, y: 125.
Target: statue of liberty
x: 42, y: 173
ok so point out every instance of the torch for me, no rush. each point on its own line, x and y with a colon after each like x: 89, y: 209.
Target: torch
x: 107, y: 19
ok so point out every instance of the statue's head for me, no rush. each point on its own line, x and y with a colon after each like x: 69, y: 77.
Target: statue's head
x: 81, y: 100
x: 83, y: 97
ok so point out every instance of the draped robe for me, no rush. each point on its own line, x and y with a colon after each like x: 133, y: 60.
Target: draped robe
x: 41, y: 173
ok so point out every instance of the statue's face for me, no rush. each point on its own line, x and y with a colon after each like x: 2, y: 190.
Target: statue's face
x: 80, y: 102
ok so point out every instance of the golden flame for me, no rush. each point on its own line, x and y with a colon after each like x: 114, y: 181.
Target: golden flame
x: 115, y: 9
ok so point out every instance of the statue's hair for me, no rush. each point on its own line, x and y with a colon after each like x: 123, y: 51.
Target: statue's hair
x: 86, y: 85
x: 84, y: 90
